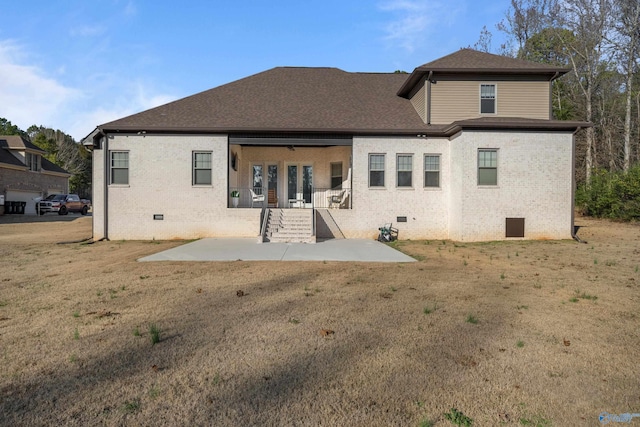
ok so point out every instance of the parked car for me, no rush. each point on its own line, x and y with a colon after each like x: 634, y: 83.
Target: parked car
x: 63, y: 204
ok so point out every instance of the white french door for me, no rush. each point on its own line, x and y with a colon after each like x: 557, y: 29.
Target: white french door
x: 299, y: 184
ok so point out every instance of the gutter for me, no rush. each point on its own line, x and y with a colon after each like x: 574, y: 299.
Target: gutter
x: 105, y: 148
x: 429, y: 97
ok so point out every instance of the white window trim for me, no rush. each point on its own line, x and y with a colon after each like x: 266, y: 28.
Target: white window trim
x: 111, y: 184
x: 404, y: 187
x: 496, y: 185
x: 495, y: 99
x: 424, y: 182
x: 193, y: 168
x: 384, y: 170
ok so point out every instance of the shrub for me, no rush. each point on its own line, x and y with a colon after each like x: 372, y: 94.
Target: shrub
x: 614, y: 195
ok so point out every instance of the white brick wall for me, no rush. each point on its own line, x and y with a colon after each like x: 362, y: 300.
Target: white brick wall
x: 534, y: 182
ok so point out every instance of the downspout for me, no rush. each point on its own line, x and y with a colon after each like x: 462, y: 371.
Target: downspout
x: 573, y: 188
x: 105, y: 174
x: 555, y: 76
x: 429, y: 97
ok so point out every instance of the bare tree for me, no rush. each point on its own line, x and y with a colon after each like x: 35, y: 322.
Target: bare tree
x: 626, y: 40
x: 588, y: 21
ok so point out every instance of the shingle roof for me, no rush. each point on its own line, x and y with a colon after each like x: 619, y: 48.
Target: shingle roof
x: 320, y: 100
x: 15, y: 142
x: 469, y: 61
x: 286, y: 99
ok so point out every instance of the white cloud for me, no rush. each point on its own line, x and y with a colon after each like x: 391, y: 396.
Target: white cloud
x: 28, y: 95
x: 414, y: 20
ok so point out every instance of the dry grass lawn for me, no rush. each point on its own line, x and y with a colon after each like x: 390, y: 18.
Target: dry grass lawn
x: 510, y: 333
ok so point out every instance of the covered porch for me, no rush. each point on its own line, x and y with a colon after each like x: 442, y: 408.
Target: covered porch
x: 302, y: 172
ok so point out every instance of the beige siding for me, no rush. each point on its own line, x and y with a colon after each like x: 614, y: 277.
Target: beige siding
x: 459, y: 100
x: 418, y: 100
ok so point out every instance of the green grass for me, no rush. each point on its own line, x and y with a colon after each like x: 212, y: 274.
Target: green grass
x: 458, y: 418
x: 293, y: 320
x: 76, y: 334
x: 502, y: 276
x: 4, y: 303
x: 584, y: 295
x: 136, y: 332
x: 154, y: 332
x: 426, y: 423
x: 76, y: 314
x: 131, y: 407
x: 574, y: 299
x: 520, y: 344
x: 522, y: 307
x: 429, y: 310
x: 472, y: 319
x: 535, y: 421
x: 154, y: 392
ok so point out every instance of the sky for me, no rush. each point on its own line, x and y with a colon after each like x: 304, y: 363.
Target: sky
x: 75, y: 64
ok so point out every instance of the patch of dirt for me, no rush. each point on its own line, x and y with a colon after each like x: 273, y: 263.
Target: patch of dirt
x: 555, y: 335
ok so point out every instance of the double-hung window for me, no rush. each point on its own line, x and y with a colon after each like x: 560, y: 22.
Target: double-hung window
x: 376, y: 170
x: 432, y: 170
x: 487, y: 98
x: 201, y: 168
x: 405, y: 170
x: 487, y: 167
x: 120, y: 167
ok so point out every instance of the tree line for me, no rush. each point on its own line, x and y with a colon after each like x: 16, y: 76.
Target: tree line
x: 600, y: 41
x: 61, y: 149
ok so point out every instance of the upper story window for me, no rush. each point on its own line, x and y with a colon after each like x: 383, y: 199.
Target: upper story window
x: 33, y: 161
x: 405, y: 170
x: 201, y: 168
x: 432, y: 170
x: 487, y: 167
x: 120, y: 167
x: 487, y: 98
x: 376, y: 170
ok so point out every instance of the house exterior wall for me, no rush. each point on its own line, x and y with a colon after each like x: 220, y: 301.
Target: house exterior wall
x: 25, y: 180
x: 426, y: 209
x: 419, y: 101
x: 160, y: 182
x: 453, y: 100
x: 318, y: 157
x: 534, y: 182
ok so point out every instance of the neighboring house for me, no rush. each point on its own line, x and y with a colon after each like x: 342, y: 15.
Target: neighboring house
x: 463, y: 148
x: 26, y: 175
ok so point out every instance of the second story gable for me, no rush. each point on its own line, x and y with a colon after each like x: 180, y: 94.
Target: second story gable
x: 469, y: 84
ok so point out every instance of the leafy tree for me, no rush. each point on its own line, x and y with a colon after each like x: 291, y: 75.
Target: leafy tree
x: 8, y: 128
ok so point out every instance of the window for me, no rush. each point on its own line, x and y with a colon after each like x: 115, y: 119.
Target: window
x: 431, y: 170
x: 487, y: 99
x: 487, y: 167
x: 201, y: 168
x: 376, y: 170
x: 120, y: 167
x: 336, y: 176
x: 405, y: 170
x: 32, y: 161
